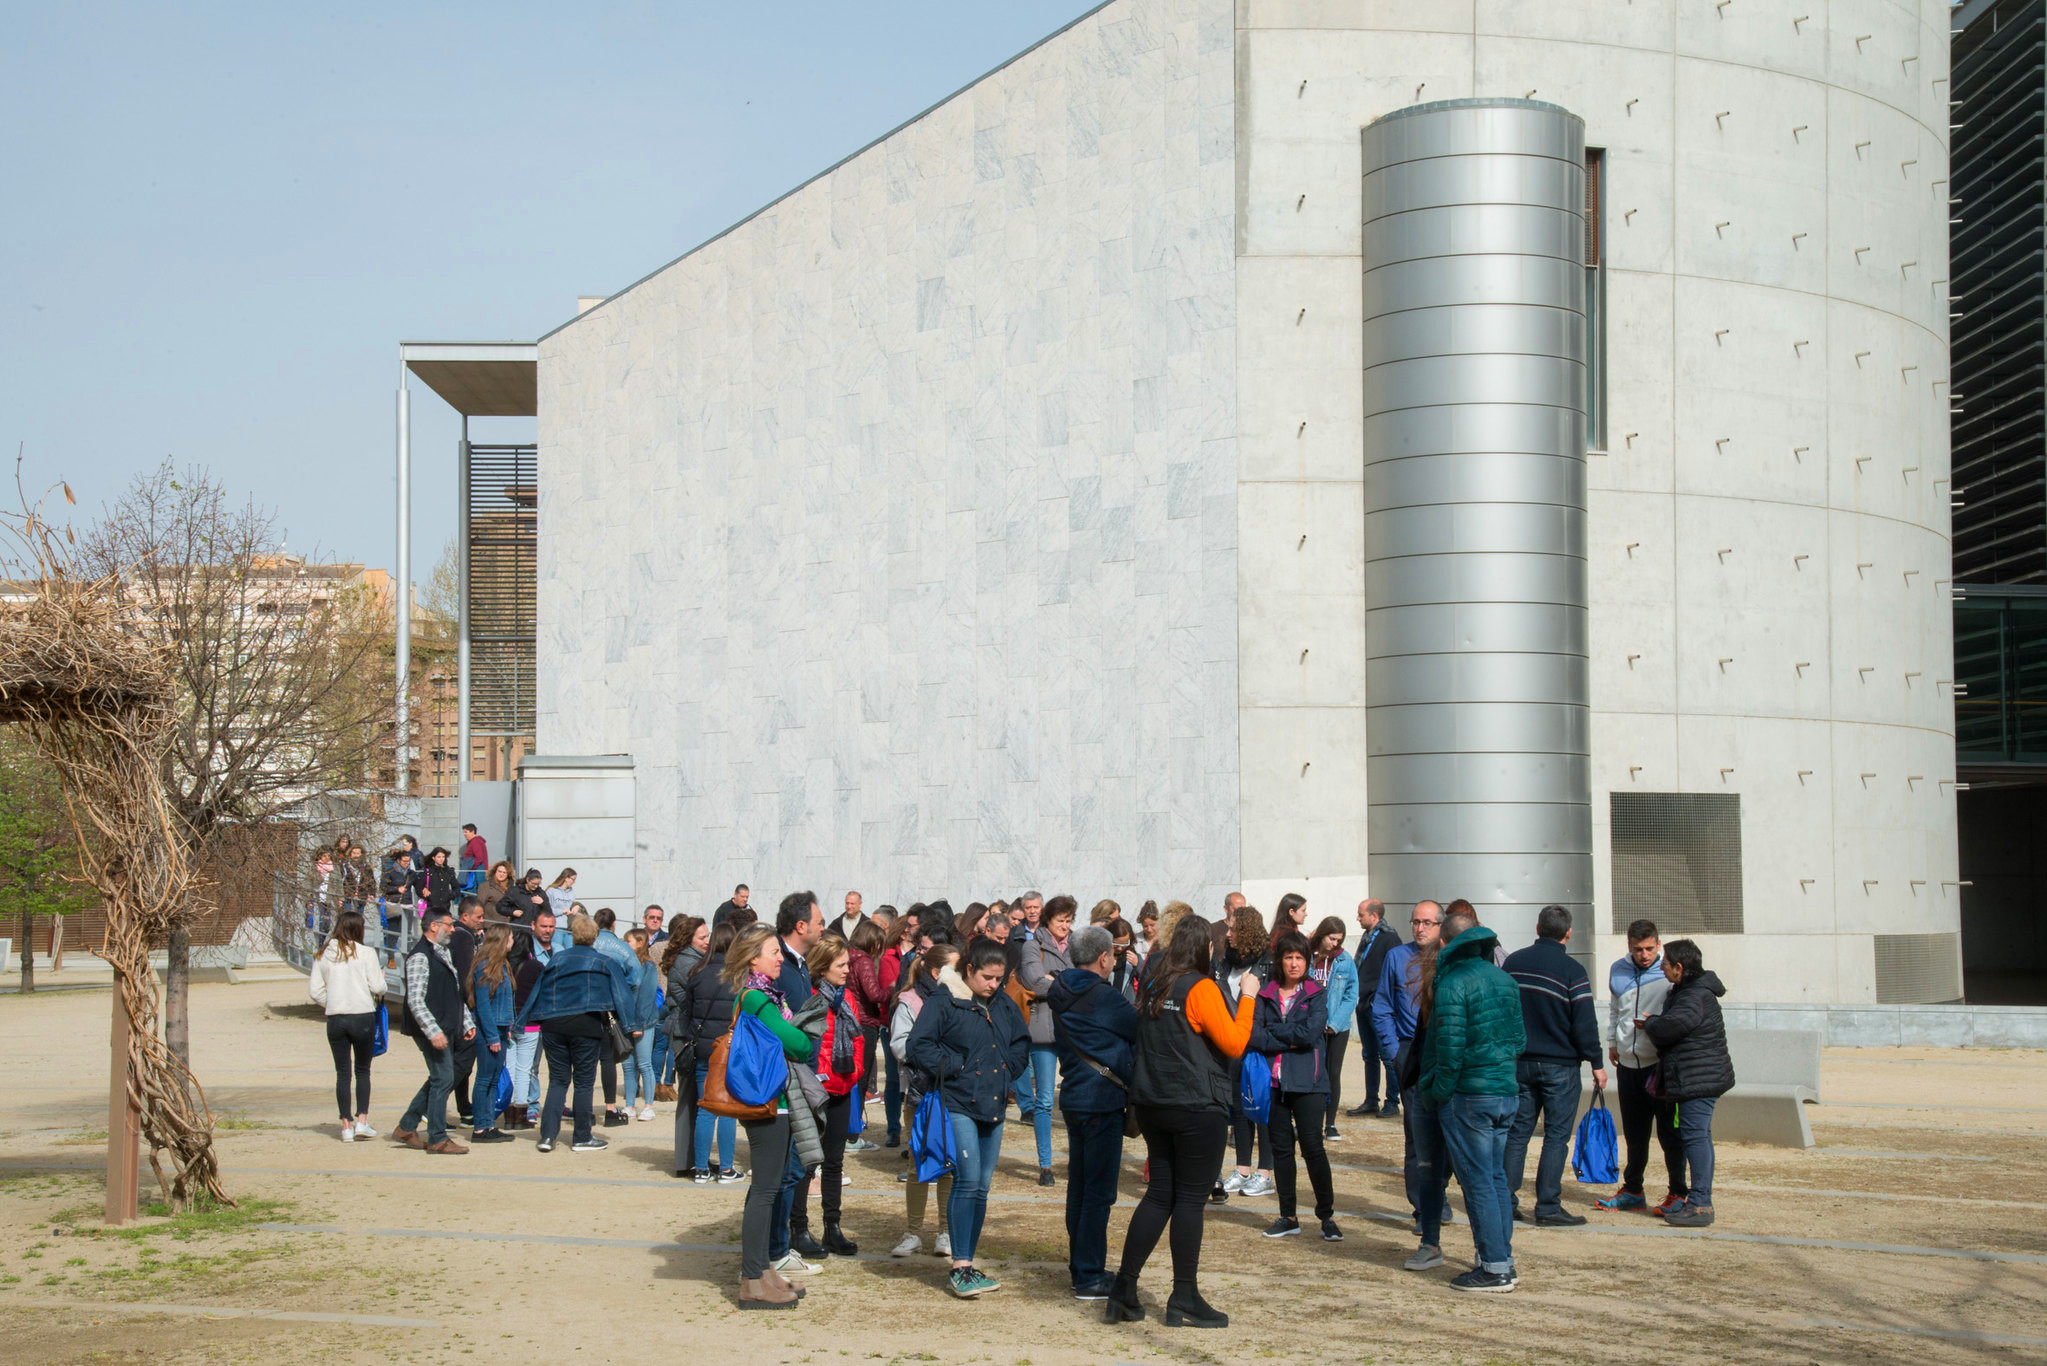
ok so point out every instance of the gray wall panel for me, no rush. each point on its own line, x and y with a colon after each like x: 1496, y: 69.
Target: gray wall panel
x: 1476, y: 678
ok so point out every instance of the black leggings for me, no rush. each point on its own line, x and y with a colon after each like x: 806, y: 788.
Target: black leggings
x: 346, y: 1035
x: 1337, y: 1043
x: 1302, y: 1112
x: 1185, y: 1148
x: 1244, y: 1127
x: 838, y: 1111
x: 610, y: 1071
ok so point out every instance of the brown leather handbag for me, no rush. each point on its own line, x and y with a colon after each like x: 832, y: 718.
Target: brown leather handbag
x: 718, y: 1098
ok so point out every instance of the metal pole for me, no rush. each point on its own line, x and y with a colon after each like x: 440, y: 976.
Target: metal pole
x: 462, y: 625
x: 403, y: 588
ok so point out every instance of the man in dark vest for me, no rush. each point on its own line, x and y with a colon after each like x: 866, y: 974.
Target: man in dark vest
x: 463, y: 942
x: 438, y: 1019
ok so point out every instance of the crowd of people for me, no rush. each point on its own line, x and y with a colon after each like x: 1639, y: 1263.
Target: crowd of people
x: 1202, y: 1039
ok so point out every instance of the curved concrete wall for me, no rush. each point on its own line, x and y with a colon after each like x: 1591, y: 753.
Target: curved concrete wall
x: 1476, y: 692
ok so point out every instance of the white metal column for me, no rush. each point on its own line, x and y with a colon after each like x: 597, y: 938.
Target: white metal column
x: 403, y: 588
x: 462, y: 610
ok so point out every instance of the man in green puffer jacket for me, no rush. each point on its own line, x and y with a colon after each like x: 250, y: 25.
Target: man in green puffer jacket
x: 1475, y: 1037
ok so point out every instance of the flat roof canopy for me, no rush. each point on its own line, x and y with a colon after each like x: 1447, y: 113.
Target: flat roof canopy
x: 478, y: 379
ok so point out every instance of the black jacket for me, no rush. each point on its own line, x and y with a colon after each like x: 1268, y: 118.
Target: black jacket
x: 443, y: 889
x: 1691, y: 1040
x: 708, y: 1005
x: 521, y: 906
x: 1371, y: 958
x: 976, y: 1049
x: 1294, y: 1036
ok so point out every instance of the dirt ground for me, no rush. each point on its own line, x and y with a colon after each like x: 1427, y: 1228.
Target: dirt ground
x: 1857, y: 1250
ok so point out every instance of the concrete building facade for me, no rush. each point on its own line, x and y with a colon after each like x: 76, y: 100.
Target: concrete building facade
x: 991, y: 511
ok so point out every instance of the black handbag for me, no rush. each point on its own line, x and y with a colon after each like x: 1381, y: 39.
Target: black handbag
x: 615, y: 1036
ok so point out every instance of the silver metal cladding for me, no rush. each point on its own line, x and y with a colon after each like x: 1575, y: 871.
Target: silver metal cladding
x: 1479, y: 706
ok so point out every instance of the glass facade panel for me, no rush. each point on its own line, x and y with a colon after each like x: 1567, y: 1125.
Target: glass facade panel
x: 2001, y: 660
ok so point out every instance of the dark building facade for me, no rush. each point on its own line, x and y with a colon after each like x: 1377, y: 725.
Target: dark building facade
x: 1999, y: 369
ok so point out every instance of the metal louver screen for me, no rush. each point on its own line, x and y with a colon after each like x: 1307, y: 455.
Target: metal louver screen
x: 1918, y: 969
x: 503, y: 575
x: 1595, y: 214
x: 1677, y: 861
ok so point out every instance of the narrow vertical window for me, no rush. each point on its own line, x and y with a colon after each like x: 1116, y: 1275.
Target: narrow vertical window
x: 1595, y: 298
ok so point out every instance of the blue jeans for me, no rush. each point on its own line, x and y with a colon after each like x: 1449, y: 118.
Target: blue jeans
x: 1695, y: 1131
x: 522, y: 1060
x: 430, y: 1102
x: 1094, y: 1159
x: 483, y: 1096
x: 1475, y: 1133
x: 664, y: 1063
x: 978, y: 1145
x: 727, y: 1127
x: 639, y: 1072
x: 1034, y: 1092
x: 1430, y: 1183
x: 1550, y: 1089
x: 785, y: 1197
x: 892, y: 1094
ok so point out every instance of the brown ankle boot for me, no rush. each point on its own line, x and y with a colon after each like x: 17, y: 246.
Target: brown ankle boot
x: 762, y: 1294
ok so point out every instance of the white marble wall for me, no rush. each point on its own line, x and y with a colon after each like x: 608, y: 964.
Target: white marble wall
x: 894, y: 532
x: 1770, y: 554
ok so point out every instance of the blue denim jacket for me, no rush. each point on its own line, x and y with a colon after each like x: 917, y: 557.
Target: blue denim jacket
x: 577, y: 981
x: 493, y: 1009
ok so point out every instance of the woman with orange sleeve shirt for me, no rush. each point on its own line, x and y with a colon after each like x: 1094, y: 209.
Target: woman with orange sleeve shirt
x: 1187, y: 1039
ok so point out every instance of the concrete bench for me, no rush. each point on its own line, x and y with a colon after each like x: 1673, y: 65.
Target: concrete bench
x: 1776, y: 1075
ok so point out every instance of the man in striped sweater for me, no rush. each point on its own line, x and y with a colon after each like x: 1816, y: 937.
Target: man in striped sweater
x: 1563, y: 1031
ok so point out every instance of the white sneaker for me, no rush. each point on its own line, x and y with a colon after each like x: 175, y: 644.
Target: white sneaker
x: 363, y: 1129
x: 647, y: 1113
x: 794, y: 1265
x: 1235, y: 1183
x: 943, y: 1247
x: 910, y: 1246
x: 348, y: 1133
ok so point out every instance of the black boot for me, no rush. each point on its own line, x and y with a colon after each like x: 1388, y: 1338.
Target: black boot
x: 803, y: 1245
x: 1186, y: 1309
x: 1123, y: 1306
x: 836, y: 1243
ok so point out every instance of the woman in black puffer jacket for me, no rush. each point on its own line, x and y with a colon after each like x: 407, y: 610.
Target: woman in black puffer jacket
x: 1694, y: 1069
x: 706, y: 1010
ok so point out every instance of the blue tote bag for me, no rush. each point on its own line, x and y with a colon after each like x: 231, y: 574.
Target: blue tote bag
x: 1595, y: 1157
x: 756, y: 1071
x: 383, y: 1038
x: 1254, y: 1092
x: 931, y: 1138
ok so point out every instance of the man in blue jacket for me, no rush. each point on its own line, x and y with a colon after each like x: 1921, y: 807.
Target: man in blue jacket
x: 799, y: 923
x: 1376, y: 939
x: 1393, y: 1016
x: 1095, y: 1032
x: 1562, y: 1031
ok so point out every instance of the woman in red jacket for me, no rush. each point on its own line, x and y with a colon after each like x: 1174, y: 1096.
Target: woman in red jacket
x: 872, y: 982
x: 840, y: 1066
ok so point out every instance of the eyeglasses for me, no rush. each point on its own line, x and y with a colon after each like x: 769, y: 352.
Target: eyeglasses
x: 1419, y: 922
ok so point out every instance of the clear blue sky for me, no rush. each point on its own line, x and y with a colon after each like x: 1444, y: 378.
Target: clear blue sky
x: 220, y: 220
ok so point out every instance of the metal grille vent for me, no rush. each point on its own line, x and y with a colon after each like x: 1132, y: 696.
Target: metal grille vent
x: 1918, y: 969
x: 503, y: 576
x: 1677, y: 861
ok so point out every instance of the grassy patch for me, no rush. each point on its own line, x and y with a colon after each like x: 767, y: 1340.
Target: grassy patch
x: 85, y: 1138
x: 203, y: 1220
x: 241, y: 1119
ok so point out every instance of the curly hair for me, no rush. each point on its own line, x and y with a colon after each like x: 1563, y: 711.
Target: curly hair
x: 1247, y: 933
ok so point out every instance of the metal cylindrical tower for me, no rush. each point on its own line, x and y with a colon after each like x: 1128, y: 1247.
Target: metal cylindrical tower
x: 1474, y: 374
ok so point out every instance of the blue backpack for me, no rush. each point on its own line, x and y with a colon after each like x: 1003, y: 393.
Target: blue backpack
x: 756, y: 1071
x: 1255, y: 1090
x: 931, y: 1138
x: 502, y: 1091
x: 1594, y: 1157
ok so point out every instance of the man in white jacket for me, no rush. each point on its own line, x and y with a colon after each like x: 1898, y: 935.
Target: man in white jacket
x: 1636, y: 987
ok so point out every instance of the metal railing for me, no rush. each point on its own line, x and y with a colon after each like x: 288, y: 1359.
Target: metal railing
x: 301, y: 918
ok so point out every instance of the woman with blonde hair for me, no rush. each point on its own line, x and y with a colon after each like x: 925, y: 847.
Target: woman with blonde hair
x: 347, y: 982
x: 1105, y: 911
x: 639, y: 1027
x: 492, y: 998
x: 753, y: 968
x: 561, y: 894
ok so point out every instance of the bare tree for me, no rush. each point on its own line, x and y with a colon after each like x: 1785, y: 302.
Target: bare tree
x: 277, y: 659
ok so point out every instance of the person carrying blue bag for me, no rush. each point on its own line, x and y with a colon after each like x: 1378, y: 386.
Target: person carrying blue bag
x: 931, y: 1144
x: 976, y: 1048
x: 753, y: 967
x: 1562, y: 1031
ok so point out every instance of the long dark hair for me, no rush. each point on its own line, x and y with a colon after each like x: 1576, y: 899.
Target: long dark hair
x: 347, y: 933
x: 679, y: 935
x: 721, y: 940
x: 1188, y: 951
x: 1330, y: 925
x: 1421, y: 970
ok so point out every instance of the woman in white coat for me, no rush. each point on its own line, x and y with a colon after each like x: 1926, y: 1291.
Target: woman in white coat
x: 347, y: 981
